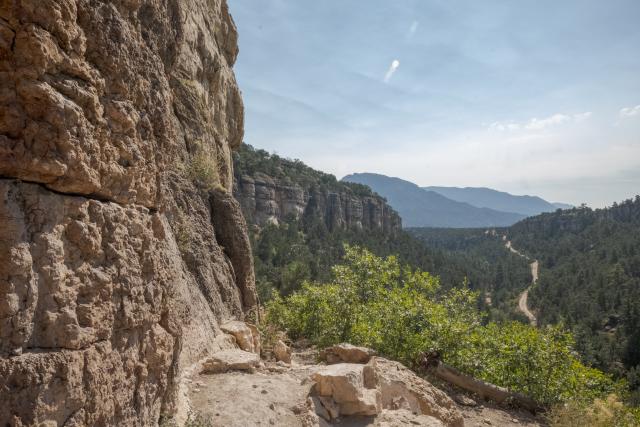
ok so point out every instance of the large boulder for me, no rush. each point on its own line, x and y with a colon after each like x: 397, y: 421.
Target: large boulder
x: 282, y: 352
x: 345, y: 384
x: 247, y: 337
x: 401, y: 388
x: 384, y: 389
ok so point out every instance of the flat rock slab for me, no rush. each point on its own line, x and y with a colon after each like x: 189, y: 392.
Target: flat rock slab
x: 346, y: 353
x: 231, y: 360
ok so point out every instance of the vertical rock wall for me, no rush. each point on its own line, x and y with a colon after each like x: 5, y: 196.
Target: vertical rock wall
x: 267, y: 200
x: 120, y: 248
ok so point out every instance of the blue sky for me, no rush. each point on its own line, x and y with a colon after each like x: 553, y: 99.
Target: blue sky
x: 531, y: 97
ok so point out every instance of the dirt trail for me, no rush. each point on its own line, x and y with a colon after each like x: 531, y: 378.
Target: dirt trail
x: 524, y: 296
x: 275, y: 396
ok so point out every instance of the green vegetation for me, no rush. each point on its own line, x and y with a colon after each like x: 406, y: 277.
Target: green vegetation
x: 295, y: 251
x: 250, y: 161
x: 590, y: 281
x: 401, y: 312
x: 288, y: 254
x: 589, y: 285
x: 500, y: 274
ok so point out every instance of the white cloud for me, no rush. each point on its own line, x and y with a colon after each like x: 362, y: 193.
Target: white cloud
x: 504, y: 126
x: 536, y: 124
x: 413, y: 29
x: 391, y: 71
x: 630, y: 112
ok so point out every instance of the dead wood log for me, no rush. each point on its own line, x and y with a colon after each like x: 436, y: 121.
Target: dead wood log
x: 431, y: 362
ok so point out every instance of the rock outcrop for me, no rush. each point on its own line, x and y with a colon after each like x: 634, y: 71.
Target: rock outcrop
x: 121, y: 250
x: 274, y: 190
x: 266, y: 200
x: 380, y: 386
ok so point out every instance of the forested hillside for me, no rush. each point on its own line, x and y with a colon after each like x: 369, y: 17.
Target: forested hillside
x: 590, y: 280
x: 303, y: 247
x: 504, y: 274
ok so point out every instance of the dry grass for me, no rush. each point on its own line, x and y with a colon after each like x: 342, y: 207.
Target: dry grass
x: 203, y: 167
x: 609, y: 412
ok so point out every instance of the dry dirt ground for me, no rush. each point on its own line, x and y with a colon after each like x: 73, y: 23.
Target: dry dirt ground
x: 276, y: 396
x: 522, y: 299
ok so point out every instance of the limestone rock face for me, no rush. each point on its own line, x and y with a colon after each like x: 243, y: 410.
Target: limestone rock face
x: 266, y: 200
x: 117, y: 260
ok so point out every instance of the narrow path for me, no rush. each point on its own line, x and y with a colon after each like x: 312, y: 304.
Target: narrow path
x: 277, y: 395
x: 524, y: 296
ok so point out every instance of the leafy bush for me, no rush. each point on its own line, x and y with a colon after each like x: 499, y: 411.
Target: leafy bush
x: 537, y: 362
x: 399, y: 312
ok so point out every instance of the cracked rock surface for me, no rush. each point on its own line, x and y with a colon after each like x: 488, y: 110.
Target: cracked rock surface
x: 115, y: 271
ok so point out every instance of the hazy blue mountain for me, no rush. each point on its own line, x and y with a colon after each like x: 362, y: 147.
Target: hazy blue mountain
x: 499, y: 200
x: 423, y: 208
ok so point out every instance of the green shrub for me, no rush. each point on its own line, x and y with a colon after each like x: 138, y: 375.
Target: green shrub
x: 536, y: 362
x: 203, y: 167
x: 399, y: 312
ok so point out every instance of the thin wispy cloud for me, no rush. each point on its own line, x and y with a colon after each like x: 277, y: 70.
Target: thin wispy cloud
x: 536, y: 124
x: 413, y: 29
x: 630, y: 112
x: 392, y: 70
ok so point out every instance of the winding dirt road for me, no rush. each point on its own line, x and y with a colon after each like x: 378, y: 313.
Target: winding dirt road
x: 522, y: 300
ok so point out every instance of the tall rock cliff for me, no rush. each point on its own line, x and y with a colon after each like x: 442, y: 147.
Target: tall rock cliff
x: 121, y: 247
x: 271, y: 189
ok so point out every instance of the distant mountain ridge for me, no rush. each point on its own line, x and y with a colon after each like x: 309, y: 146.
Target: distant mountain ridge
x: 424, y: 208
x: 482, y: 197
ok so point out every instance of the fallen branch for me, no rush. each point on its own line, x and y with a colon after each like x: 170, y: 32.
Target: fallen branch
x: 431, y: 362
